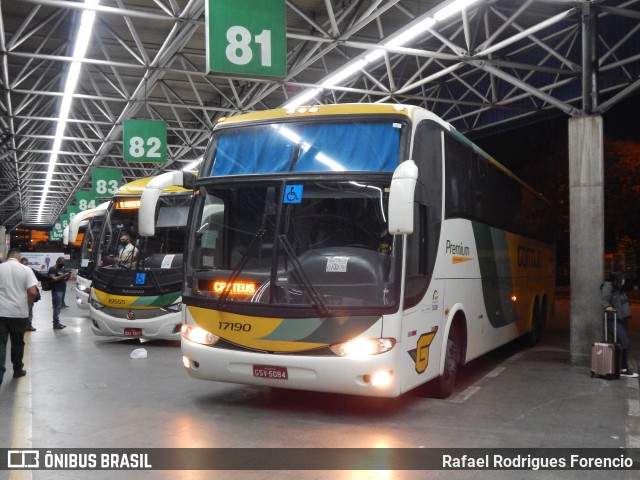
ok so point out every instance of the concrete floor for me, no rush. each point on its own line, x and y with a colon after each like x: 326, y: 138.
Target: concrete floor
x: 83, y: 391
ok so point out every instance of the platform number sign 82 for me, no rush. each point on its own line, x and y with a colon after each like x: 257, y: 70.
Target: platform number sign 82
x: 144, y: 141
x: 246, y: 37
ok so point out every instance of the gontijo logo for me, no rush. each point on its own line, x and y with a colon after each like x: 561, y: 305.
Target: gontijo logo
x: 529, y: 257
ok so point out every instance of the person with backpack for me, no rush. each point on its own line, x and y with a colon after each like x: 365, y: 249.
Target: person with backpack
x: 59, y: 277
x: 615, y: 300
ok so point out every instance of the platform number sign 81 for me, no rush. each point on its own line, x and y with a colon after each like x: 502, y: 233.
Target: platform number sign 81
x: 246, y: 37
x: 144, y: 141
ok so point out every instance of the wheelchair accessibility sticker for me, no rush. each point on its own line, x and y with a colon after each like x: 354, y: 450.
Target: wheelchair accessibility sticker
x: 293, y: 194
x: 141, y: 278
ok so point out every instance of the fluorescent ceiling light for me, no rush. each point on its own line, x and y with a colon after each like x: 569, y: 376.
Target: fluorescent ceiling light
x: 402, y: 39
x: 453, y: 8
x: 411, y: 33
x: 79, y: 50
x: 192, y: 166
x: 303, y: 97
x: 374, y: 55
x: 345, y: 73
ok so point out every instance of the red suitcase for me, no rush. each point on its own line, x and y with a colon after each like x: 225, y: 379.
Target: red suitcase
x: 605, y: 356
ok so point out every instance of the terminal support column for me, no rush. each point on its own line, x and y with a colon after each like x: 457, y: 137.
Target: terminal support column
x: 586, y: 219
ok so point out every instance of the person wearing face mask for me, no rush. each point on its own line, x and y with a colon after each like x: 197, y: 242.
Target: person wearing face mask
x: 614, y: 299
x: 59, y: 277
x: 127, y: 252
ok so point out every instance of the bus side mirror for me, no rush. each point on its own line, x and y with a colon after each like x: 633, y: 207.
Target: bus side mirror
x: 150, y: 196
x: 401, y: 196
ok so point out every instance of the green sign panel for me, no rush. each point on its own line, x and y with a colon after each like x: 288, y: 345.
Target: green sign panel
x: 72, y: 210
x: 86, y: 200
x: 105, y: 182
x: 247, y: 37
x: 56, y: 232
x: 145, y: 141
x: 64, y: 221
x: 55, y: 235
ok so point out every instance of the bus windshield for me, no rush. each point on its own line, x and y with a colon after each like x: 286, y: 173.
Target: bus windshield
x: 307, y: 147
x: 322, y: 246
x: 156, y: 251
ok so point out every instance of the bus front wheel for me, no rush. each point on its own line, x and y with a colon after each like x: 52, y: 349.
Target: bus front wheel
x: 442, y: 387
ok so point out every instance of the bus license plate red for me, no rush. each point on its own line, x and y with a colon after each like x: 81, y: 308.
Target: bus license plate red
x: 132, y: 332
x: 268, y: 371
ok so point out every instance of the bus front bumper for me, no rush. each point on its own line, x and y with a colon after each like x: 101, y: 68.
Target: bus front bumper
x: 355, y: 376
x: 164, y: 327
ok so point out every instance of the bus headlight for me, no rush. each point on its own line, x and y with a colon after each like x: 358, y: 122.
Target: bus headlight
x: 95, y: 304
x: 363, y: 347
x: 175, y: 308
x: 82, y: 288
x: 198, y: 335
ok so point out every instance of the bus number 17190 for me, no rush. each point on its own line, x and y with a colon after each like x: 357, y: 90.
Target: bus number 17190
x: 235, y: 326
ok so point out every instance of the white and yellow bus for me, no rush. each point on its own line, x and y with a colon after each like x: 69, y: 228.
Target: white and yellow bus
x: 359, y: 249
x: 140, y: 297
x: 83, y: 230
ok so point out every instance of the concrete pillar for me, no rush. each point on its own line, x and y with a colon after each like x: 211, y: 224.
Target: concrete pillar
x: 586, y: 218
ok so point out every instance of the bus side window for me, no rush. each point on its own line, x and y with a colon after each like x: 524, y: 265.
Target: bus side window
x: 210, y: 235
x: 417, y: 258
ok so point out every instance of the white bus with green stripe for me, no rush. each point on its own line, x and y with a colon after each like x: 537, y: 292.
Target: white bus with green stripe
x: 140, y: 298
x: 86, y: 225
x: 359, y: 249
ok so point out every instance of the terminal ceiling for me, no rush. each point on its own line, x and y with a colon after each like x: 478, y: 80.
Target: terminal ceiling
x: 492, y: 65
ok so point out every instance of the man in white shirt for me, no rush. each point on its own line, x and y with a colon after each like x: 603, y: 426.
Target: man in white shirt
x: 17, y: 291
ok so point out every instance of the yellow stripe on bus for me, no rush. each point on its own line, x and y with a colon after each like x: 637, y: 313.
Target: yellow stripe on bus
x: 247, y: 331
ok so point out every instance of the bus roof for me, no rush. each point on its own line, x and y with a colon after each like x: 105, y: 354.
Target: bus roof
x: 334, y: 109
x: 137, y: 186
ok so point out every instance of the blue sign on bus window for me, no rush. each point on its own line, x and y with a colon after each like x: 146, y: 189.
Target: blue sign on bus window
x: 293, y: 194
x: 141, y: 278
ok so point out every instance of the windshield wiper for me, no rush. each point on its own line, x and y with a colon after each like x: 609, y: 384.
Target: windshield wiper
x: 316, y: 298
x: 243, y: 261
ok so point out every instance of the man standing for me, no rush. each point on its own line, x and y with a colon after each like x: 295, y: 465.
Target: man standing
x: 30, y: 328
x: 59, y: 278
x: 17, y: 291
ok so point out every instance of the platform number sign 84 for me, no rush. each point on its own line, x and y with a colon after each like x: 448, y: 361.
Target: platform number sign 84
x: 246, y: 37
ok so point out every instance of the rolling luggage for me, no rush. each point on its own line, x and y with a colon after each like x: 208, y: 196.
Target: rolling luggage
x: 605, y: 356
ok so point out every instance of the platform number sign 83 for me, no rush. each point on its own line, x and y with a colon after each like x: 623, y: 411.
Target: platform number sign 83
x: 106, y: 182
x: 144, y: 141
x: 246, y: 37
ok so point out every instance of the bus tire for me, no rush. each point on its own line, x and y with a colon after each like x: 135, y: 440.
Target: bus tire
x: 442, y: 387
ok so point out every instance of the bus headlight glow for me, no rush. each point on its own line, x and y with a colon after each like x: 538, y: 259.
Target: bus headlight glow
x: 363, y: 347
x: 198, y: 335
x: 381, y: 378
x: 82, y: 288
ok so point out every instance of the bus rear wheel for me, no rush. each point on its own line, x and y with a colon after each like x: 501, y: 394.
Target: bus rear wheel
x: 442, y: 387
